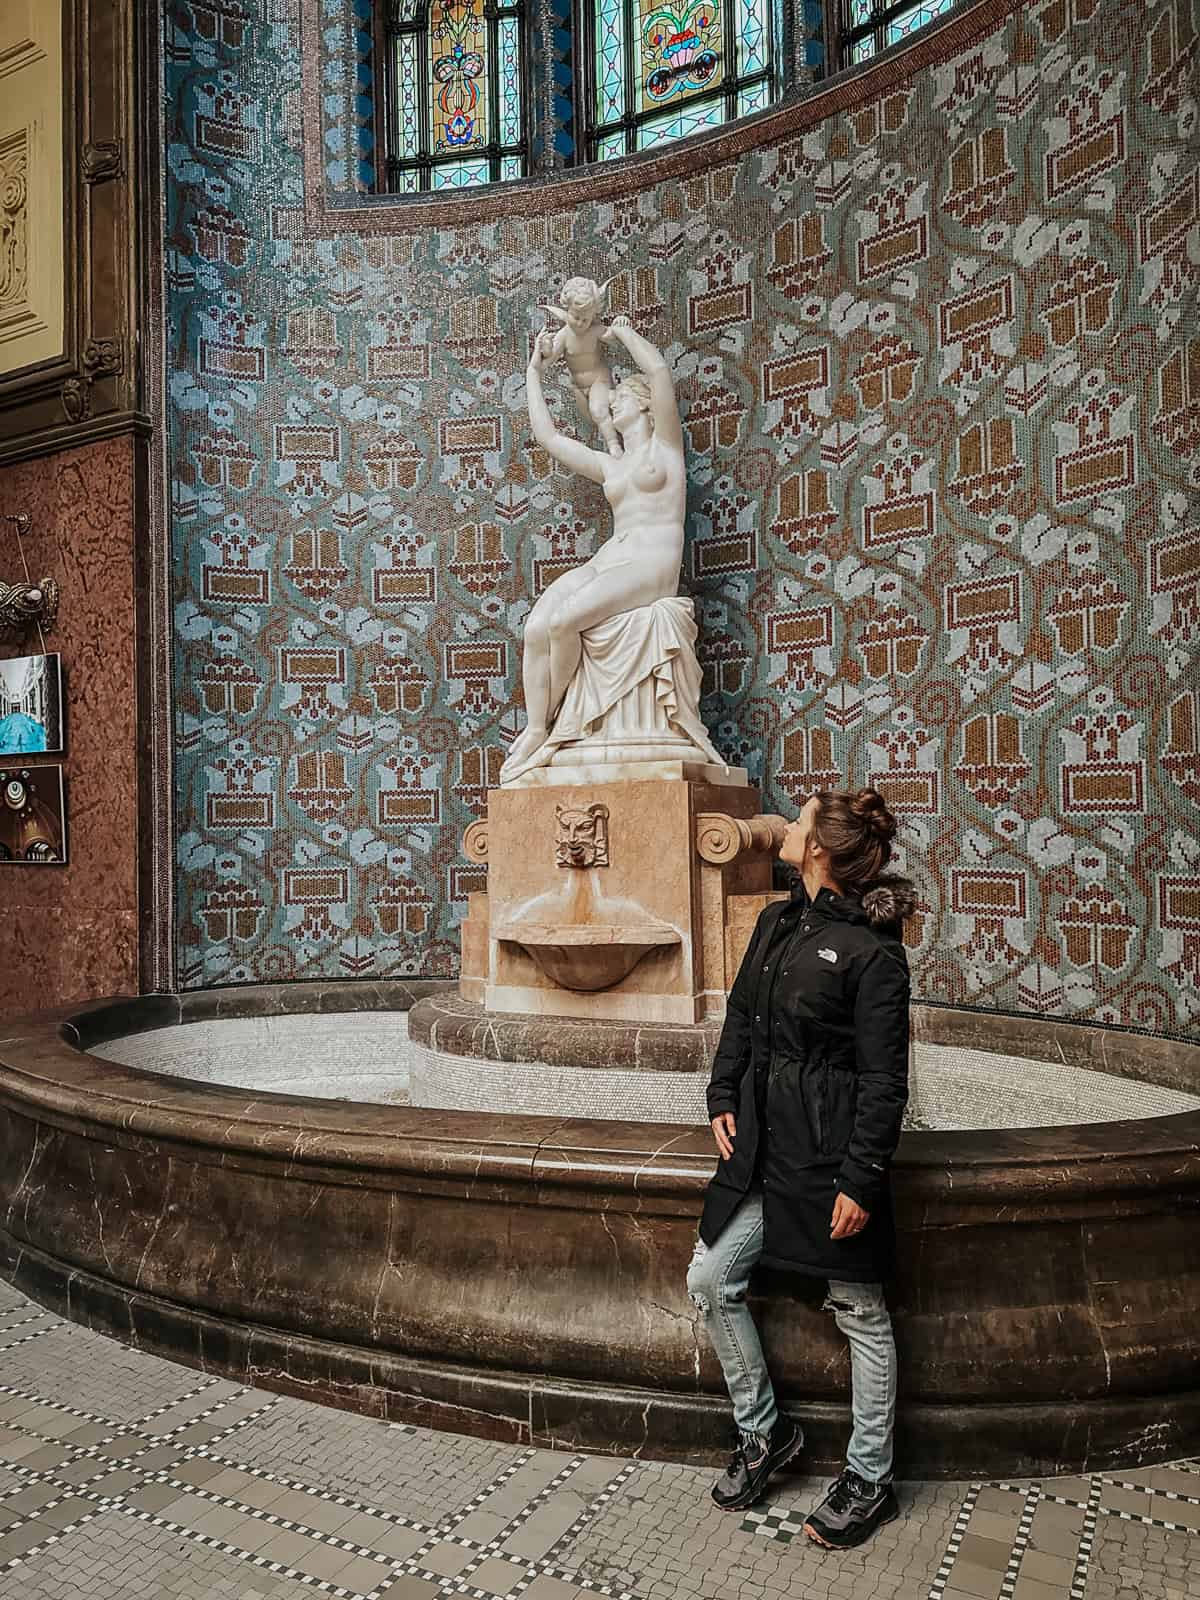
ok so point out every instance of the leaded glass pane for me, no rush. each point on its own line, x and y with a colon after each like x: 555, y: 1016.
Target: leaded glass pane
x: 610, y: 145
x: 458, y: 72
x: 861, y: 12
x: 752, y: 38
x: 680, y: 51
x: 754, y: 98
x: 408, y: 104
x: 864, y: 49
x: 407, y: 11
x: 510, y: 167
x: 678, y: 124
x: 510, y: 80
x: 610, y: 60
x: 909, y: 21
x: 461, y: 174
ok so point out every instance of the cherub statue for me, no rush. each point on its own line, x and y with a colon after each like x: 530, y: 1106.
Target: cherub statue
x: 579, y: 341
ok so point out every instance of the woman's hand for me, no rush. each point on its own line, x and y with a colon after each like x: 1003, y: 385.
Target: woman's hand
x: 724, y: 1131
x: 543, y: 350
x: 848, y: 1217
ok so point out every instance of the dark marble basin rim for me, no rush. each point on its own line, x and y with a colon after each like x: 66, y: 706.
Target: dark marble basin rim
x: 45, y: 1068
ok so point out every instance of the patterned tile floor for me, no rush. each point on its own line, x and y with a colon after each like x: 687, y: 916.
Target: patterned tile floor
x: 123, y: 1477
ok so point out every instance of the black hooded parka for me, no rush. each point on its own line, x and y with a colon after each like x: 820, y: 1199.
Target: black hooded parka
x: 813, y: 1063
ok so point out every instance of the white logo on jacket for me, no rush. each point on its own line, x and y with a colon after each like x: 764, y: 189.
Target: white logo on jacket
x: 827, y: 955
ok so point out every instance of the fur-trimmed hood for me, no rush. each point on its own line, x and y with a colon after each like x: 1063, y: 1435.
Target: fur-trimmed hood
x: 891, y: 899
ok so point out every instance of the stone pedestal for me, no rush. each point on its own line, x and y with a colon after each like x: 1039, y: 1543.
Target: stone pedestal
x: 629, y: 899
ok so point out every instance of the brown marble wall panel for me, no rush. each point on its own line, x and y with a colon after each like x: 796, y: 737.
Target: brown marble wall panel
x: 70, y: 932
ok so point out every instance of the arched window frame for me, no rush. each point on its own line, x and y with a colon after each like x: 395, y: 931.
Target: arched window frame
x: 814, y: 40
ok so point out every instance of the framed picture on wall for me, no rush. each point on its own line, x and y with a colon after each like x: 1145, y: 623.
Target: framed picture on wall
x: 31, y: 706
x: 33, y: 817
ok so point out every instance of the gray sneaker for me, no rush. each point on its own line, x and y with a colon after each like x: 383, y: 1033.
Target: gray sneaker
x: 851, y: 1512
x: 755, y: 1457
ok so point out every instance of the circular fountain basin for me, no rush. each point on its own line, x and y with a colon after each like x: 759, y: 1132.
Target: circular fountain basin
x: 463, y: 1058
x: 523, y: 1275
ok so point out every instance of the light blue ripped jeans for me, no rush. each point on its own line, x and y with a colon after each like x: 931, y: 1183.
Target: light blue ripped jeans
x: 717, y: 1280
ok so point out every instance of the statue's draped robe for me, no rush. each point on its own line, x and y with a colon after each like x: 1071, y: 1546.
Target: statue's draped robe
x: 637, y: 683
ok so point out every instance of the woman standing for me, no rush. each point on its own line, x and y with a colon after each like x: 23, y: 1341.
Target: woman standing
x: 806, y: 1096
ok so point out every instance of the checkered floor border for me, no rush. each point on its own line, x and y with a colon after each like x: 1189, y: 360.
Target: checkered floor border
x: 784, y: 1525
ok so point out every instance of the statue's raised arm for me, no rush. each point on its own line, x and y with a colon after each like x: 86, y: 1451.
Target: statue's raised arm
x: 573, y: 454
x: 649, y: 359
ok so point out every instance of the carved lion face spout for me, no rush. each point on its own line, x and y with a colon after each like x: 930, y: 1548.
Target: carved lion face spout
x: 582, y: 836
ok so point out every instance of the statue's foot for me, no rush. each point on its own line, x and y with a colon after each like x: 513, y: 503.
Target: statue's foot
x: 614, y: 449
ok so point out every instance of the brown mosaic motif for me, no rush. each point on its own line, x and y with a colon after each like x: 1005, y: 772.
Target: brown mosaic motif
x: 938, y: 355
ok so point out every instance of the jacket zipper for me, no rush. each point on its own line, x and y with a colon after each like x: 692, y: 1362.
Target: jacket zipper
x: 821, y: 1098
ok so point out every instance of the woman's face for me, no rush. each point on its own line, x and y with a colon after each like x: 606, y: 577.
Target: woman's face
x: 624, y: 407
x: 795, y: 847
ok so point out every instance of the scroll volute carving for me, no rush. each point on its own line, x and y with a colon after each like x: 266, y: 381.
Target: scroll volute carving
x: 475, y: 841
x: 14, y: 222
x: 720, y: 839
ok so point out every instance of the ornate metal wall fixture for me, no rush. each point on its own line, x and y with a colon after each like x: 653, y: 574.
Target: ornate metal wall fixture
x: 26, y: 605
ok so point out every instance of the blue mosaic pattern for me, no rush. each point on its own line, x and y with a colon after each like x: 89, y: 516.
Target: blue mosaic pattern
x: 938, y: 358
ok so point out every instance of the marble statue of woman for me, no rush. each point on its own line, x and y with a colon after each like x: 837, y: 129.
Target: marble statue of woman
x: 609, y: 648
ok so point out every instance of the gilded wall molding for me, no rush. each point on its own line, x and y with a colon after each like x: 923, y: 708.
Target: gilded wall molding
x: 92, y: 389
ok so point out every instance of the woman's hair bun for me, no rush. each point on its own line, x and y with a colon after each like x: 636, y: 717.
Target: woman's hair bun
x: 870, y: 807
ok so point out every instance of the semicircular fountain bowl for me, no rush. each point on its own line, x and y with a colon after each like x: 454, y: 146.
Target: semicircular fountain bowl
x: 588, y: 956
x: 523, y: 1276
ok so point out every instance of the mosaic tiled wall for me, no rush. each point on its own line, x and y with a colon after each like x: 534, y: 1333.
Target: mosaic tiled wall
x: 941, y: 364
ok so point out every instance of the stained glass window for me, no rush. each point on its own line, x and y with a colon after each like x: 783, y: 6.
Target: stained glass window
x: 455, y: 93
x: 482, y: 91
x: 869, y: 26
x: 666, y: 68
